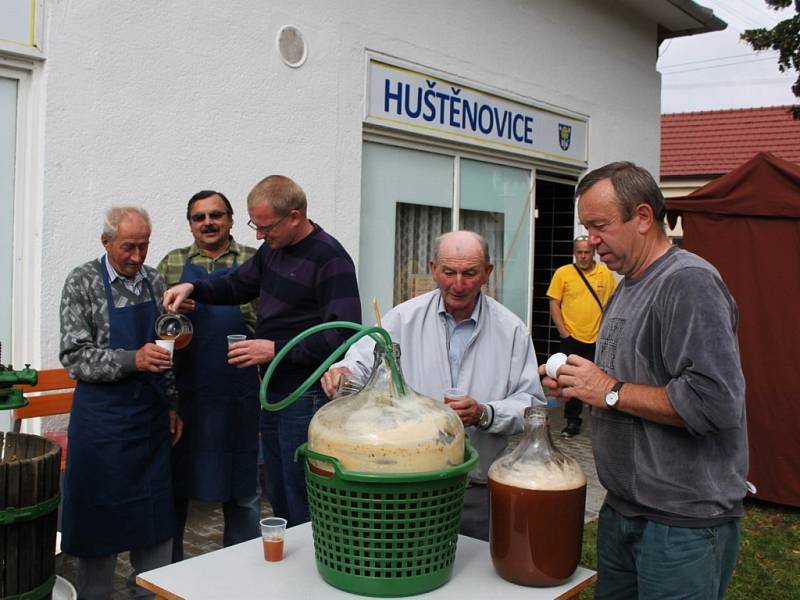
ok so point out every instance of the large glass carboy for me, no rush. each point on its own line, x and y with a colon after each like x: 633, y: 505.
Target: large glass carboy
x: 537, y: 497
x: 378, y: 430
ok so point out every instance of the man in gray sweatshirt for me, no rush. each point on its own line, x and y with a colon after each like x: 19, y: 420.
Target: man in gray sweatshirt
x: 667, y: 396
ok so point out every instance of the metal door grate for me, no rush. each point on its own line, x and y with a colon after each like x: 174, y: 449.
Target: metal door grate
x: 554, y: 230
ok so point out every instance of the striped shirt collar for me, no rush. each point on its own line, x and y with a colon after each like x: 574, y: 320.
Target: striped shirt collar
x: 134, y: 285
x: 476, y: 312
x: 233, y: 248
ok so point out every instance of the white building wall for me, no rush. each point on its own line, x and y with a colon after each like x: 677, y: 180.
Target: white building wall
x: 148, y: 102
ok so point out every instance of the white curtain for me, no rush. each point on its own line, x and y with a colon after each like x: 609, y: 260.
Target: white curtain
x: 418, y: 226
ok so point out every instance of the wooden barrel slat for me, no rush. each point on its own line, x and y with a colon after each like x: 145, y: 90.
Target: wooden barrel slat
x: 2, y: 473
x: 12, y: 531
x: 35, y: 465
x: 37, y: 473
x: 37, y: 446
x: 52, y: 481
x: 47, y: 531
x: 11, y: 447
x: 48, y: 466
x: 22, y: 447
x: 23, y: 443
x: 26, y: 492
x: 3, y: 548
x: 47, y: 526
x: 29, y: 475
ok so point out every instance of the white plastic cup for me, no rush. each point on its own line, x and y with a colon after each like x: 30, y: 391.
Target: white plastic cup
x: 273, y: 531
x: 554, y: 363
x: 236, y: 337
x: 167, y: 345
x: 454, y: 395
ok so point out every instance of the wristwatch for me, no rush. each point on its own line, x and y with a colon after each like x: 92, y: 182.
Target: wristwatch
x: 485, y: 419
x: 612, y: 397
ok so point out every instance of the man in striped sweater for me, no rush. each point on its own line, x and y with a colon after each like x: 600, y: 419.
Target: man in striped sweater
x: 302, y: 277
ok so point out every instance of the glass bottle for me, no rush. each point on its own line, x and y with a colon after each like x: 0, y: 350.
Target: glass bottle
x: 378, y: 429
x: 537, y: 497
x: 175, y: 326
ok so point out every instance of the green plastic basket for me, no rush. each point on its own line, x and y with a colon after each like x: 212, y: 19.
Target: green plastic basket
x: 386, y: 534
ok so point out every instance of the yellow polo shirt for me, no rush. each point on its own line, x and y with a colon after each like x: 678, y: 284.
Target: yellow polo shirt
x: 578, y: 308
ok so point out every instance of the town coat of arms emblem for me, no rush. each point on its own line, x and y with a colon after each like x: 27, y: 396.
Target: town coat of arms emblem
x: 564, y: 136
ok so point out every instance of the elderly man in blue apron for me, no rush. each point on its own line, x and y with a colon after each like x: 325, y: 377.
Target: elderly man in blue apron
x: 217, y: 458
x: 118, y: 485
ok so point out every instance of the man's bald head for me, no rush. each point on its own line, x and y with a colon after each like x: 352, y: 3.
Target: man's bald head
x: 462, y: 242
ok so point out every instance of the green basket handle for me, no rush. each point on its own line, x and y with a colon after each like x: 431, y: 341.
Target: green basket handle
x: 471, y: 458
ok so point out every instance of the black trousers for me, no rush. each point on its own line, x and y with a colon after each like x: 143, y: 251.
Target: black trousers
x: 569, y: 345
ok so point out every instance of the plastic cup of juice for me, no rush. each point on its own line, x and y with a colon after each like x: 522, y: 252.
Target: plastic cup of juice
x: 273, y: 531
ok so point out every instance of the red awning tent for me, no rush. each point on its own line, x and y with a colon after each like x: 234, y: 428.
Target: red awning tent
x: 747, y: 224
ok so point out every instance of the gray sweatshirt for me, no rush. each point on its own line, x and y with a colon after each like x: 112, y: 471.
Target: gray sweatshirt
x: 674, y: 326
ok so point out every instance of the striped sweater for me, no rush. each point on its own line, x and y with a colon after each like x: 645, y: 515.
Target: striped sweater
x: 299, y: 286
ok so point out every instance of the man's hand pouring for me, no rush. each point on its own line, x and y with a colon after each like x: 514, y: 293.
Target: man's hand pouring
x: 176, y: 295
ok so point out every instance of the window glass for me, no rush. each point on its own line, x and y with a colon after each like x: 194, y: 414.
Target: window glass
x: 8, y: 141
x: 495, y: 202
x: 406, y: 199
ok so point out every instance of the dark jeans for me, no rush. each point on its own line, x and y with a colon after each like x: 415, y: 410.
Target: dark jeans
x: 569, y: 345
x: 96, y: 575
x: 475, y: 513
x: 637, y: 558
x: 281, y: 433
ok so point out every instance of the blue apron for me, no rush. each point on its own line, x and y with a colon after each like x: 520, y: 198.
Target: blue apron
x: 216, y: 460
x: 117, y: 486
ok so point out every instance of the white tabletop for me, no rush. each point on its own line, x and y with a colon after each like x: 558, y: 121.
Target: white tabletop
x: 240, y: 572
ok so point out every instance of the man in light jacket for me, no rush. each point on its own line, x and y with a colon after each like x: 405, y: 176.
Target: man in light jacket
x: 457, y: 337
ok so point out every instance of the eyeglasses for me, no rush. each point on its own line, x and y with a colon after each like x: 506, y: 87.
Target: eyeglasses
x: 214, y: 215
x: 265, y: 229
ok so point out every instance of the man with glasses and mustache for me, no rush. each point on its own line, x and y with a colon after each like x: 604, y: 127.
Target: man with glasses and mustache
x: 217, y: 459
x: 578, y: 292
x: 302, y: 277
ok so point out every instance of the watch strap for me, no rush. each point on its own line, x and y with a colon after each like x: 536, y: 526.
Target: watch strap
x: 613, y: 393
x: 487, y: 417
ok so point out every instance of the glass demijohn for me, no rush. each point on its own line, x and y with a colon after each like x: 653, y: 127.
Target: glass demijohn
x: 537, y: 497
x: 378, y: 430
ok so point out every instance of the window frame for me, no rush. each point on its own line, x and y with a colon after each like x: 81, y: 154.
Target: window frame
x: 26, y: 266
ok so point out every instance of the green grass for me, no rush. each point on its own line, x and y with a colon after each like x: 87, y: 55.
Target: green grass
x: 769, y: 554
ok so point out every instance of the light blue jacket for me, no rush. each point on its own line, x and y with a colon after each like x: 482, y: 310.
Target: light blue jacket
x: 498, y: 368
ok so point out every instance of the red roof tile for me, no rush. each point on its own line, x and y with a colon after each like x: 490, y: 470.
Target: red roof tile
x: 715, y: 142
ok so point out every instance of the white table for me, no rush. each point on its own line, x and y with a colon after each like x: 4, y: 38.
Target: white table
x: 240, y: 572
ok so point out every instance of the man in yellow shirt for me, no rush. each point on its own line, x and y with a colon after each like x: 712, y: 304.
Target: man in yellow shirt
x: 577, y: 294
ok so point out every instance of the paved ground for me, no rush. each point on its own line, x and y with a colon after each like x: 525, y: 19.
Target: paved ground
x: 204, y: 527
